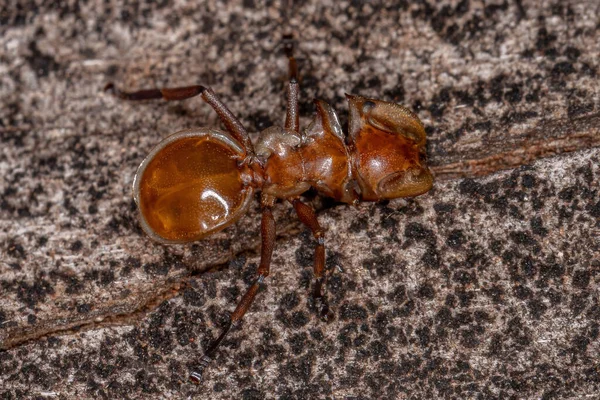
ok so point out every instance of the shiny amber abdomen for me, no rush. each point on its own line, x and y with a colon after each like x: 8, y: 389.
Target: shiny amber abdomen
x: 190, y: 188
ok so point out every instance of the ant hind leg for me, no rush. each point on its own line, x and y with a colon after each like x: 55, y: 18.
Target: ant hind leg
x: 268, y: 244
x: 180, y: 93
x: 233, y: 125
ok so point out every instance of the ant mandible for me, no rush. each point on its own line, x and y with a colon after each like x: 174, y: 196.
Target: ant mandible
x: 198, y: 181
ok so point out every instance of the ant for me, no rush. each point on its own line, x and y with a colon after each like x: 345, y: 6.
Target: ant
x: 198, y: 181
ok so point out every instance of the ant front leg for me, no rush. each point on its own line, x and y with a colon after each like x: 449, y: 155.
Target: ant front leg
x: 233, y: 125
x: 307, y: 216
x: 268, y: 243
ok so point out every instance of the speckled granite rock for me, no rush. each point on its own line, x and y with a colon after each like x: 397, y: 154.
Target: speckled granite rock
x: 487, y: 287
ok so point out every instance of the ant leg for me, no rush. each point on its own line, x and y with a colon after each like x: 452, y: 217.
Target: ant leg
x: 233, y: 125
x: 180, y: 93
x: 268, y: 243
x: 292, y: 120
x: 307, y: 216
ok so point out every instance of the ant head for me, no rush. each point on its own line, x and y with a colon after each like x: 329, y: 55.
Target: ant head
x: 191, y: 185
x: 388, y: 143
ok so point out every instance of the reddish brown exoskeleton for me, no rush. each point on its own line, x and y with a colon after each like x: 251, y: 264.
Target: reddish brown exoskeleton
x: 198, y: 181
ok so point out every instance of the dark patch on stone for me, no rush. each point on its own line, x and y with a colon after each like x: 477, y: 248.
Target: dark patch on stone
x: 74, y: 285
x: 382, y: 266
x: 537, y: 308
x: 431, y: 258
x: 76, y: 245
x: 572, y: 53
x: 514, y: 93
x: 231, y: 294
x: 238, y: 87
x: 439, y: 103
x: 299, y: 370
x: 424, y: 336
x: 299, y: 319
x: 464, y: 277
x: 304, y: 253
x: 444, y: 316
x: 544, y: 39
x: 397, y: 295
x: 523, y: 238
x: 537, y: 227
x: 157, y: 268
x: 456, y: 239
x: 469, y: 338
x: 133, y: 262
x: 16, y: 250
x: 106, y: 277
x: 587, y: 69
x: 289, y: 301
x: 443, y: 208
x: 406, y: 309
x: 580, y: 343
x: 563, y: 68
x: 523, y: 293
x: 577, y: 108
x: 360, y: 224
x: 352, y: 312
x: 31, y: 294
x: 426, y: 291
x: 581, y: 279
x: 528, y: 268
x: 396, y: 94
x: 469, y: 187
x: 552, y: 270
x: 417, y: 231
x: 252, y: 394
x: 568, y: 193
x: 578, y: 303
x: 84, y: 308
x: 41, y: 64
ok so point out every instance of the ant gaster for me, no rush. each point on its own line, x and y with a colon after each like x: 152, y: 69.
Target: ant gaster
x: 198, y: 181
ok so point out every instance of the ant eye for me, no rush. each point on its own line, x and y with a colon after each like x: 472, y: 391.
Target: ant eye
x: 367, y: 106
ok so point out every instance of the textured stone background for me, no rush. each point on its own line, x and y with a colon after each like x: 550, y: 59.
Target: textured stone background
x: 486, y: 287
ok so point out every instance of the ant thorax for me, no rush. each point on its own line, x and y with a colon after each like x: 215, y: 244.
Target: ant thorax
x: 379, y: 159
x: 318, y: 157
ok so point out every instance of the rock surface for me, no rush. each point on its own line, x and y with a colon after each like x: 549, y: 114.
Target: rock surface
x: 486, y: 287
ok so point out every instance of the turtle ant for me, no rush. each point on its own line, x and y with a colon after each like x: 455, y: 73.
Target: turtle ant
x: 198, y: 181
